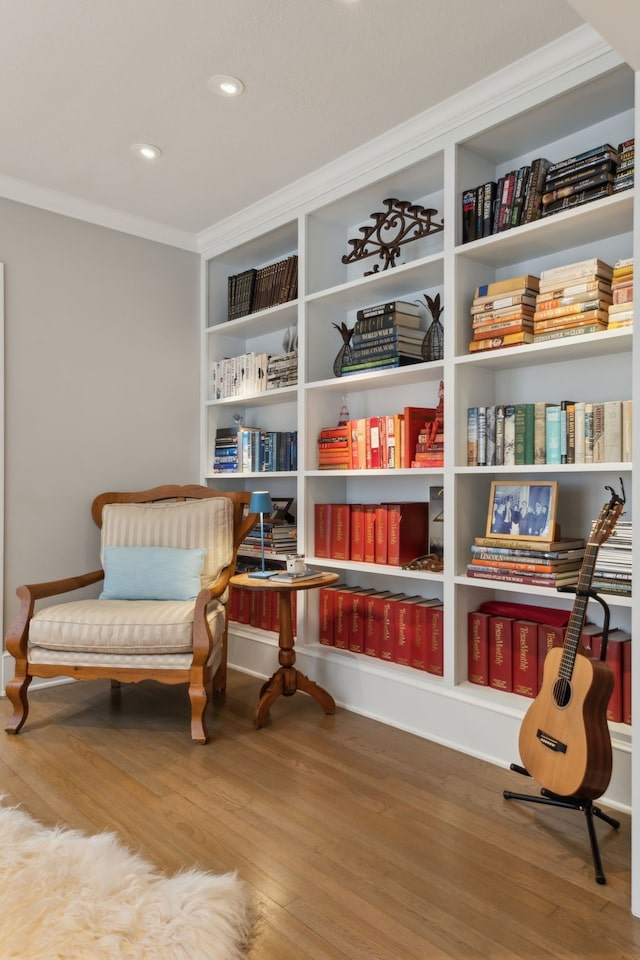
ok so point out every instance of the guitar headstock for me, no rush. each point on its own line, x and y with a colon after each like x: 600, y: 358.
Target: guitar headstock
x: 609, y: 514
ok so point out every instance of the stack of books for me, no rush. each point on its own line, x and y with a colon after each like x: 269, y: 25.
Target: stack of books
x: 282, y: 370
x: 548, y: 563
x: 386, y: 335
x: 239, y: 376
x: 621, y: 310
x: 573, y: 299
x: 334, y: 448
x: 624, y: 179
x: 225, y: 450
x: 502, y: 313
x: 280, y: 539
x: 613, y: 568
x: 257, y: 289
x: 580, y: 179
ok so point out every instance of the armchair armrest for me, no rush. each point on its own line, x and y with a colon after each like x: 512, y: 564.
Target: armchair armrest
x: 16, y: 638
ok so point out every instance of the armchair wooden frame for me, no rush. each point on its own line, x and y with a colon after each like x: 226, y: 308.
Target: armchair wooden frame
x: 201, y: 678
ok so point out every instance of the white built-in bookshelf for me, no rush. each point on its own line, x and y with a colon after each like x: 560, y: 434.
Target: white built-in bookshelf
x: 587, y: 98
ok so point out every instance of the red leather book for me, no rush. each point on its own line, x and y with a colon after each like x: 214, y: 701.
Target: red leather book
x: 342, y: 617
x: 326, y: 601
x: 478, y: 650
x: 501, y: 653
x: 234, y: 603
x: 356, y: 614
x: 615, y: 643
x: 422, y: 634
x: 525, y: 658
x: 435, y: 648
x: 322, y: 530
x: 405, y: 629
x: 372, y: 441
x: 373, y: 613
x: 357, y: 532
x: 244, y: 606
x: 407, y: 531
x: 388, y: 624
x: 340, y: 531
x: 370, y: 532
x: 381, y: 550
x: 265, y: 609
x: 548, y: 636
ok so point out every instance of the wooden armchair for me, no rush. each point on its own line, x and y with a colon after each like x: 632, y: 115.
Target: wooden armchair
x: 167, y: 555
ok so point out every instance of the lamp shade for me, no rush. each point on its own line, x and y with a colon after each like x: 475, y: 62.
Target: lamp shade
x: 260, y: 502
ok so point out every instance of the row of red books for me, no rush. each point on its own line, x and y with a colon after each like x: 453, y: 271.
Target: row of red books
x: 389, y: 533
x: 412, y: 438
x: 508, y: 653
x: 390, y: 626
x: 258, y: 608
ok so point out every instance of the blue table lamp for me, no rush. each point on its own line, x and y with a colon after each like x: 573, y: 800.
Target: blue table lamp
x: 261, y: 503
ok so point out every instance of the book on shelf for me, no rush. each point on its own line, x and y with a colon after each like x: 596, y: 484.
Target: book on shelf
x: 589, y: 268
x: 407, y: 531
x: 535, y: 188
x: 522, y: 543
x: 387, y: 323
x: 577, y: 199
x: 501, y: 653
x: 560, y: 333
x: 503, y: 340
x: 581, y: 185
x: 551, y: 580
x: 532, y: 553
x: 579, y: 171
x: 603, y: 150
x: 478, y: 647
x: 406, y: 308
x: 524, y: 638
x: 495, y: 288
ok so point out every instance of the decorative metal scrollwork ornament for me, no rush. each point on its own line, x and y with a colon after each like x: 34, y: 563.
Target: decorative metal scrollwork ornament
x: 401, y: 222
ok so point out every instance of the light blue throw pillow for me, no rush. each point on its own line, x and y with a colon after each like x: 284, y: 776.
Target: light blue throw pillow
x: 152, y: 573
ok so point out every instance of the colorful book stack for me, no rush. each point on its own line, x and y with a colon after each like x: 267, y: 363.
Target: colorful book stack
x: 573, y: 299
x: 580, y: 179
x: 388, y: 626
x: 502, y: 313
x: 254, y: 450
x: 386, y: 335
x: 613, y: 569
x: 621, y: 310
x: 334, y: 448
x: 624, y: 178
x: 538, y: 563
x: 508, y: 643
x: 550, y: 431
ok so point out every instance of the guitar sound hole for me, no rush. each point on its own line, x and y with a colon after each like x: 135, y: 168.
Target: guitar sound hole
x: 562, y: 692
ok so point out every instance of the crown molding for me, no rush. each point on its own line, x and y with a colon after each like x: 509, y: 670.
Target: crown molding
x: 573, y: 56
x: 67, y: 205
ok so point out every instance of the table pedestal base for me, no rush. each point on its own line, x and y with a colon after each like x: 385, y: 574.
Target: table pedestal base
x: 285, y: 682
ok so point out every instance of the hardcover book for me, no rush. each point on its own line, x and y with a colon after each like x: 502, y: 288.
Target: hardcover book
x: 478, y: 648
x: 501, y: 653
x: 525, y: 657
x: 407, y: 531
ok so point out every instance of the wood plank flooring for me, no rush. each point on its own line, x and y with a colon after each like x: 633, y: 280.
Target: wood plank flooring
x: 360, y: 842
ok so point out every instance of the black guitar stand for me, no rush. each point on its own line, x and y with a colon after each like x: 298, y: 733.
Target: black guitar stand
x: 575, y: 803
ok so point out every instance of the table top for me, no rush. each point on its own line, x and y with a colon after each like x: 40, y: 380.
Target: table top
x: 323, y: 579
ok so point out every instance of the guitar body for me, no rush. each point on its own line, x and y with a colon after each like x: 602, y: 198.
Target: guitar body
x: 564, y: 738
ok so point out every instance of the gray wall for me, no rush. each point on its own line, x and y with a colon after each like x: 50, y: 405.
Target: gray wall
x: 101, y: 382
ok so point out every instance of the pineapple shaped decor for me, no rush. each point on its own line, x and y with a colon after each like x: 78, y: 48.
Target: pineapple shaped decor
x: 433, y: 343
x: 344, y: 354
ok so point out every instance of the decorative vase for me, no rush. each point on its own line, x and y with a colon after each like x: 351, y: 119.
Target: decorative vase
x: 344, y: 354
x: 433, y: 343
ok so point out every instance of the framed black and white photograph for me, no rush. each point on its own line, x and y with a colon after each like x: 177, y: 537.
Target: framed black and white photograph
x: 523, y: 510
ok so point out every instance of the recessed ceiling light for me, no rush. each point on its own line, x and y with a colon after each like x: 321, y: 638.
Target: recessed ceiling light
x: 226, y: 86
x: 147, y: 150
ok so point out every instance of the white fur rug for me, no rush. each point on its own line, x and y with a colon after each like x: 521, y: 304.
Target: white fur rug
x: 68, y: 896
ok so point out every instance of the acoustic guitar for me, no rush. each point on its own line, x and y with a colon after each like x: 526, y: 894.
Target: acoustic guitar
x: 564, y: 738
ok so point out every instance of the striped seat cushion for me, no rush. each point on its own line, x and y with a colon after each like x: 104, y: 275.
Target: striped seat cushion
x: 120, y: 627
x: 186, y: 524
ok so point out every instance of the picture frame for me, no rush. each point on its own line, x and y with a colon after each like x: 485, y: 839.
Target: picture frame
x: 522, y: 511
x: 280, y: 508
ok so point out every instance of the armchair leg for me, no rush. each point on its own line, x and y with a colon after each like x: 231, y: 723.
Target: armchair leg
x: 199, y: 700
x: 220, y: 677
x: 16, y: 691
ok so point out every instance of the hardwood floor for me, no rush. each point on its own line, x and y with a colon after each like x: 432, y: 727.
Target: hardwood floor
x: 360, y: 842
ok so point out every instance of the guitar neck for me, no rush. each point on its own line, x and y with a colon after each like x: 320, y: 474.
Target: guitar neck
x: 578, y: 613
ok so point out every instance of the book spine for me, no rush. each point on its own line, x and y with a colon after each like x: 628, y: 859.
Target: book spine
x: 435, y: 650
x: 525, y: 658
x: 501, y: 653
x: 478, y: 648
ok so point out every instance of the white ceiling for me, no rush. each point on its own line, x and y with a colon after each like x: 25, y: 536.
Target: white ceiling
x: 82, y: 80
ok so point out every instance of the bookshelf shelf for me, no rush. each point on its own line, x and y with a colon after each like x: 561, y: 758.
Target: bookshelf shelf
x: 581, y: 106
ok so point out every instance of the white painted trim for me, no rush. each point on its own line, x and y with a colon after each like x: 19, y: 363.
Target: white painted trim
x: 582, y: 48
x: 2, y: 447
x: 69, y: 206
